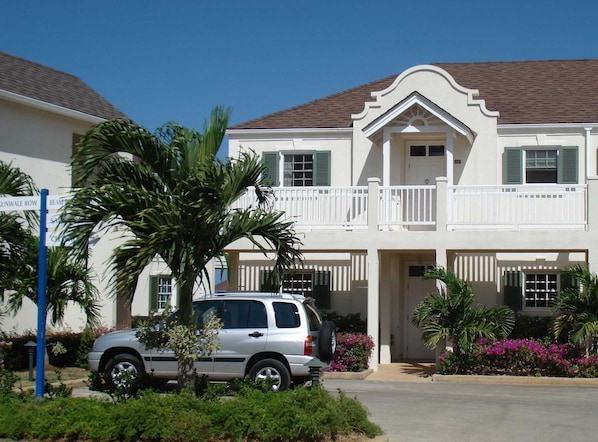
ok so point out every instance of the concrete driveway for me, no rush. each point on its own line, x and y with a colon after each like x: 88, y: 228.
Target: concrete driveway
x: 454, y: 411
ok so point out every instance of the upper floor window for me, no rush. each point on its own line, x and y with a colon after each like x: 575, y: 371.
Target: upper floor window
x: 532, y: 165
x: 541, y: 166
x: 297, y: 169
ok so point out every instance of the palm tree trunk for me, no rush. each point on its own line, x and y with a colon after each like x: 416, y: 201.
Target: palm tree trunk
x: 185, y: 301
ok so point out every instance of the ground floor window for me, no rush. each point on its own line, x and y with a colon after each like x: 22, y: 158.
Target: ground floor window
x: 307, y: 282
x: 161, y: 291
x: 531, y: 289
x: 540, y: 289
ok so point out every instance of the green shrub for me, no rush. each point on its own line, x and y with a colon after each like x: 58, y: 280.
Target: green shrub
x: 531, y: 327
x: 350, y: 323
x: 300, y: 414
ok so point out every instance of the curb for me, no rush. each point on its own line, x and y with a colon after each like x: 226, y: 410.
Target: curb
x: 515, y: 380
x: 355, y: 375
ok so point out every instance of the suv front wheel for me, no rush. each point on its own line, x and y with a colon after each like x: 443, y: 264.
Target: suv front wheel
x: 272, y: 371
x: 122, y: 371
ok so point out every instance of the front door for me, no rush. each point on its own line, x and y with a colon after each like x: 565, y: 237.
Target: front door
x: 417, y: 288
x: 424, y: 163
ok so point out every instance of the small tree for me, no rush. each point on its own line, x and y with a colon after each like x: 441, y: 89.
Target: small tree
x: 576, y: 308
x: 189, y: 344
x: 451, y: 315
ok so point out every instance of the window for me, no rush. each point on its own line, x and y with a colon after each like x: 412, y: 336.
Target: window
x: 297, y: 169
x: 298, y: 283
x: 531, y: 290
x: 540, y: 289
x: 286, y: 314
x: 161, y: 290
x: 309, y: 283
x: 434, y: 150
x: 540, y: 165
x: 244, y: 314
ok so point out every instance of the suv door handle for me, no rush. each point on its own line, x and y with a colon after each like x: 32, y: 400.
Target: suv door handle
x: 255, y: 334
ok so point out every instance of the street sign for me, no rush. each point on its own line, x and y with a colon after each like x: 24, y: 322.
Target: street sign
x: 49, y: 236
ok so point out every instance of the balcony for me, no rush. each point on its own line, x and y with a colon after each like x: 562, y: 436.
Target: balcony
x: 432, y: 207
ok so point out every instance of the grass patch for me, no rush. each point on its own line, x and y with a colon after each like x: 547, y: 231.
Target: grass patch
x: 52, y: 375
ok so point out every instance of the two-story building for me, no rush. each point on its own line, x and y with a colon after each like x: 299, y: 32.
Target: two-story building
x: 488, y: 169
x: 43, y: 114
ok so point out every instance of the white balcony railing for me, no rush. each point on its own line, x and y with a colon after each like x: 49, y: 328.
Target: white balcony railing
x: 523, y: 206
x: 415, y: 207
x: 407, y: 205
x: 319, y: 207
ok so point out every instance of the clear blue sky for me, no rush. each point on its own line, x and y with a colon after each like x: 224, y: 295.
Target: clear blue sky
x: 161, y: 61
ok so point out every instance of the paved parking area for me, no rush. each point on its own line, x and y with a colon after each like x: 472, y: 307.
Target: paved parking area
x: 448, y: 411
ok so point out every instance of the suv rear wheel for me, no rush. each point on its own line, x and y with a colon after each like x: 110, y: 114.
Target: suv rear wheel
x: 122, y: 371
x: 273, y: 371
x: 327, y: 341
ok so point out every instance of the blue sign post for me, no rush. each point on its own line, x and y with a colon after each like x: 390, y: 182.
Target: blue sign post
x: 42, y: 279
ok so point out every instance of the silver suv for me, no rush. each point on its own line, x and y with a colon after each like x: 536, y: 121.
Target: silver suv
x: 264, y: 336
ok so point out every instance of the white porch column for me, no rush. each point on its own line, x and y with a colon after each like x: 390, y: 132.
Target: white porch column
x: 386, y: 158
x: 373, y: 319
x: 588, y: 131
x: 442, y: 204
x: 449, y: 157
x: 373, y: 203
x: 385, y: 310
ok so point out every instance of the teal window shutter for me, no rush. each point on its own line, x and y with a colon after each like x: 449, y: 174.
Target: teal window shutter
x: 322, y: 168
x: 271, y: 160
x: 513, y: 294
x: 153, y: 293
x: 321, y: 289
x: 568, y: 165
x: 513, y: 165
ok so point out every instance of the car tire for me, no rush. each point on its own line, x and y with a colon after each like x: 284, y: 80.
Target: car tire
x: 272, y: 370
x: 120, y: 365
x: 327, y: 341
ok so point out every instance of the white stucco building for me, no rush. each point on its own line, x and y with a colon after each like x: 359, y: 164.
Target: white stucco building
x: 485, y: 168
x: 43, y: 113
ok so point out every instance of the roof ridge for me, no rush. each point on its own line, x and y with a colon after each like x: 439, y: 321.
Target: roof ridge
x: 315, y: 101
x: 24, y: 60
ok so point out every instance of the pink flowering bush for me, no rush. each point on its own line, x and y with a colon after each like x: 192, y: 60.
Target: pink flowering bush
x: 353, y: 351
x: 520, y: 357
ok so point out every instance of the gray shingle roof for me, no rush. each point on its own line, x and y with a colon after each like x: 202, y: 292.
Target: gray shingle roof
x: 524, y: 92
x: 33, y: 80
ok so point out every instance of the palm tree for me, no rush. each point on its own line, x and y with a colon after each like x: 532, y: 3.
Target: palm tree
x: 576, y: 308
x: 14, y: 226
x: 171, y: 193
x: 67, y: 282
x: 451, y: 315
